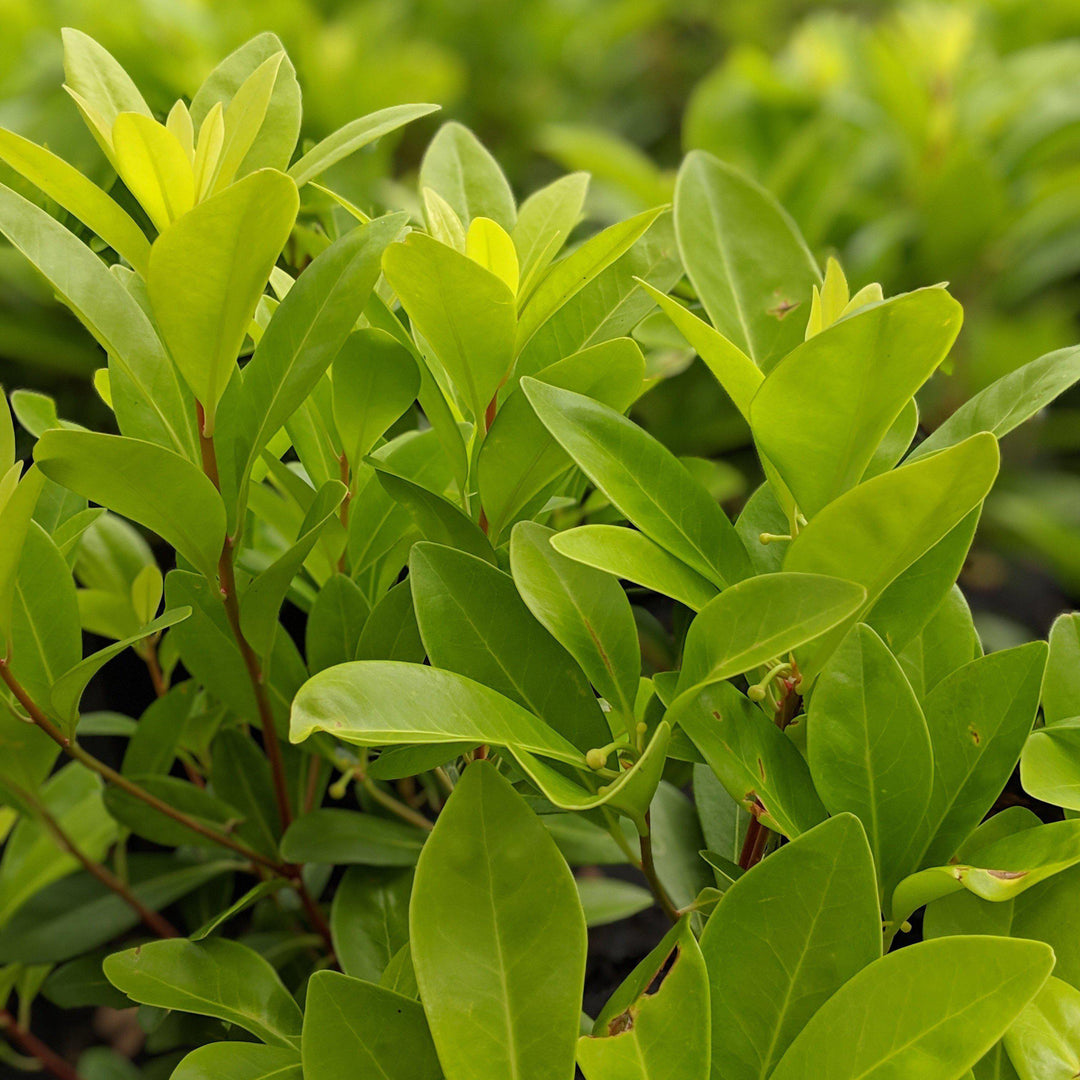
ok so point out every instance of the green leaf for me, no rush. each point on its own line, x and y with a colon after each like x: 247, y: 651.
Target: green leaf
x: 143, y: 482
x: 78, y: 196
x: 69, y: 688
x: 238, y: 766
x: 734, y: 370
x: 519, y: 459
x: 584, y: 609
x: 95, y: 76
x: 266, y: 594
x: 280, y: 127
x: 463, y: 172
x: 631, y: 793
x: 78, y: 913
x: 787, y: 936
x: 545, y: 220
x: 198, y: 803
x: 1008, y: 402
x: 354, y: 136
x: 436, y: 517
x: 473, y: 621
x: 754, y: 760
x: 609, y: 900
x: 762, y: 619
x: 979, y: 717
x: 873, y: 533
x: 155, y: 405
x: 464, y: 312
x: 1061, y: 681
x: 239, y: 1061
x: 45, y: 640
x: 744, y: 257
x: 655, y: 1033
x: 869, y: 747
x: 1044, y: 1041
x: 207, y: 273
x: 391, y: 632
x: 334, y: 624
x: 384, y: 703
x: 347, y: 837
x: 369, y: 919
x: 1050, y: 764
x: 154, y: 168
x: 644, y: 480
x: 497, y: 937
x: 375, y: 381
x: 216, y: 977
x: 931, y: 1010
x: 32, y: 859
x: 824, y: 409
x: 570, y: 275
x: 352, y: 1025
x: 627, y: 553
x: 307, y: 331
x: 611, y: 305
x: 997, y: 871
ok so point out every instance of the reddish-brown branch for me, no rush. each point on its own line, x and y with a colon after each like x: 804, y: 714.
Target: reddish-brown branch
x: 30, y: 1044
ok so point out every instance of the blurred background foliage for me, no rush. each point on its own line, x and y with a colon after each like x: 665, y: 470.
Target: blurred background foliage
x: 918, y: 142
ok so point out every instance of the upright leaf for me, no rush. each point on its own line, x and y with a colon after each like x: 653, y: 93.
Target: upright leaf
x: 207, y: 273
x: 350, y: 1024
x: 497, y: 937
x: 823, y: 411
x: 786, y: 937
x: 1044, y: 1042
x: 745, y: 258
x: 464, y: 312
x: 464, y: 173
x: 869, y: 747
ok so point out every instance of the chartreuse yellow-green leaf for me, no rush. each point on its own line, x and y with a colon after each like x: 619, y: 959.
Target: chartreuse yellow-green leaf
x: 761, y: 619
x: 1044, y: 1041
x: 464, y: 312
x: 148, y: 395
x: 143, y: 482
x: 927, y: 1012
x: 1061, y: 680
x: 644, y: 480
x: 786, y: 937
x: 354, y: 136
x: 998, y: 871
x: 497, y: 936
x: 874, y: 532
x: 648, y: 1032
x: 206, y: 275
x: 627, y: 553
x: 740, y: 377
x: 216, y: 977
x: 352, y: 1026
x: 78, y: 195
x: 388, y: 702
x: 824, y: 409
x: 154, y: 166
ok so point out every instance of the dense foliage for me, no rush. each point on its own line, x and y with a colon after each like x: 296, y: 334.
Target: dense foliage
x: 411, y: 733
